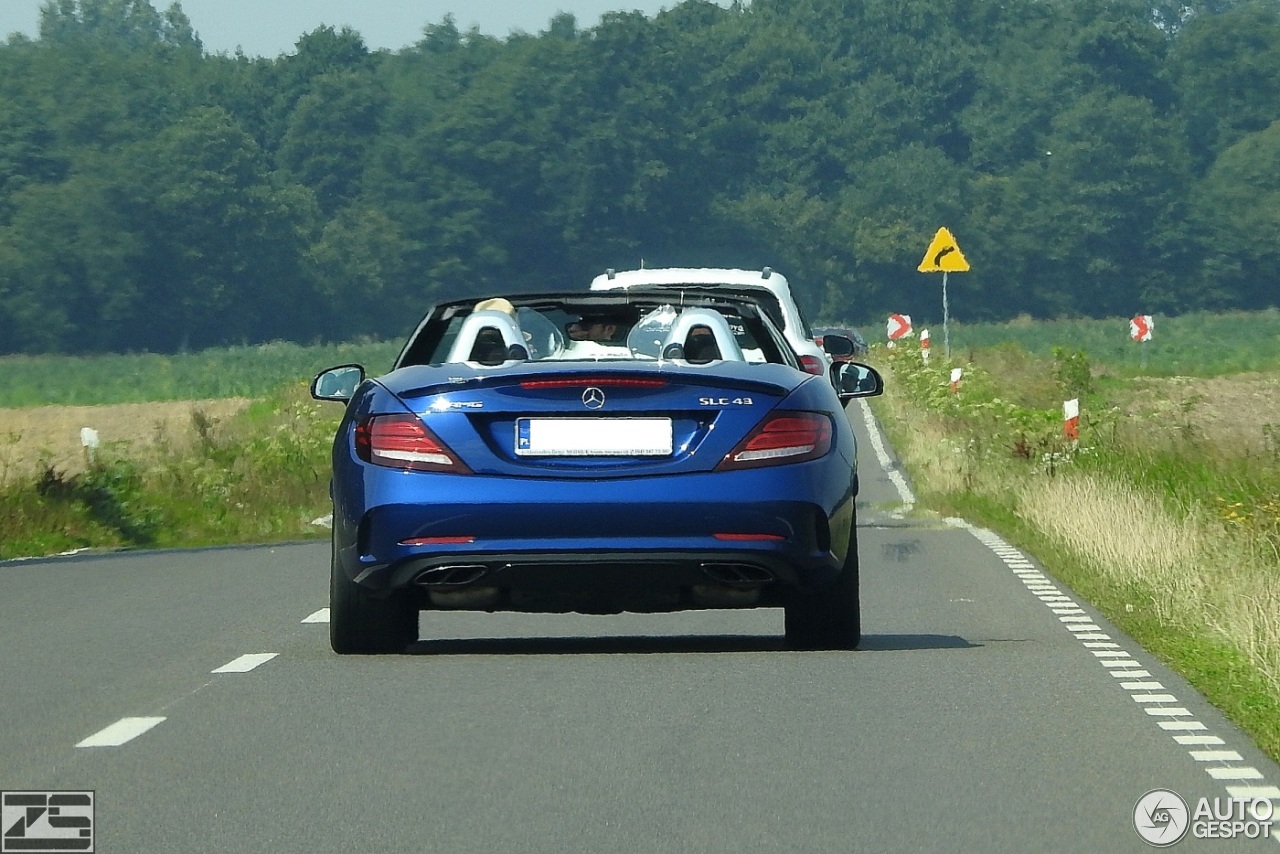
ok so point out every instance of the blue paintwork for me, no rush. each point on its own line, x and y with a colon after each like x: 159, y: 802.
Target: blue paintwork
x: 595, y: 508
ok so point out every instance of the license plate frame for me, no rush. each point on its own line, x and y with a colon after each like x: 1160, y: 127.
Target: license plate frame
x: 594, y: 437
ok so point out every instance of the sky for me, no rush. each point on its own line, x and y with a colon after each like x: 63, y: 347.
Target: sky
x: 272, y: 27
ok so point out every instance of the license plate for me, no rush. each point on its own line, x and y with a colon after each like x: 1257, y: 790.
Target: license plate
x: 593, y: 437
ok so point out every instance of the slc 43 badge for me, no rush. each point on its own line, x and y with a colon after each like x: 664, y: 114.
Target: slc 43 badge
x: 726, y: 401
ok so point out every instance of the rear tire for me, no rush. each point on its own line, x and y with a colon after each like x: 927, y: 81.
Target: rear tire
x: 830, y: 618
x: 359, y: 624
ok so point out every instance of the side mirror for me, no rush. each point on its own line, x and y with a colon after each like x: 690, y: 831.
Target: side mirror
x: 338, y: 384
x: 837, y: 346
x: 856, y: 380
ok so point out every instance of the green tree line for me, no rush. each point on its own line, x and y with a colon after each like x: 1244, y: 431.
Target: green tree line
x: 1093, y: 158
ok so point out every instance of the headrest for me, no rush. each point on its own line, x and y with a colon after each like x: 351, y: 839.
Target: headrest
x: 713, y: 320
x: 476, y: 323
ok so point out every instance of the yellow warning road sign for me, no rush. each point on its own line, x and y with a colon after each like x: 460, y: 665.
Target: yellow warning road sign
x: 943, y: 255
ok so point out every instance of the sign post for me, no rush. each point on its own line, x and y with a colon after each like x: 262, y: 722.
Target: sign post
x: 944, y: 256
x: 89, y: 439
x: 1071, y: 419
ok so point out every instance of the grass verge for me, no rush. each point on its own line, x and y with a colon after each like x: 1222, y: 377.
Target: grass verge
x: 259, y: 476
x: 1171, y: 537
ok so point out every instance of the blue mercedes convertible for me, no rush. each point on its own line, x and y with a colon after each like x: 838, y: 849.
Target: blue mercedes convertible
x: 596, y: 453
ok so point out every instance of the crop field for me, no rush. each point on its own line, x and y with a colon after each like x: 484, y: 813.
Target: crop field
x: 35, y: 437
x: 141, y: 405
x: 1204, y: 344
x: 243, y: 372
x: 212, y: 448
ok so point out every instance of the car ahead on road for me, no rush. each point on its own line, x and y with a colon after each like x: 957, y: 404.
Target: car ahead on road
x: 598, y: 453
x: 860, y: 347
x: 766, y: 286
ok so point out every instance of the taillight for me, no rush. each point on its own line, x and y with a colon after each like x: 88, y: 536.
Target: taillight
x: 784, y: 437
x: 812, y: 365
x: 404, y: 442
x: 604, y: 382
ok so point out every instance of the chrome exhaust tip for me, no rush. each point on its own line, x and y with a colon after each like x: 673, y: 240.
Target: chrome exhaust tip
x: 460, y: 575
x: 740, y: 575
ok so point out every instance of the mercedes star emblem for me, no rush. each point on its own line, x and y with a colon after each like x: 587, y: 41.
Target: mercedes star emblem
x: 593, y: 398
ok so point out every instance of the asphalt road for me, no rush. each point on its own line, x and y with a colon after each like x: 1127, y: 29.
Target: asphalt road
x: 988, y: 710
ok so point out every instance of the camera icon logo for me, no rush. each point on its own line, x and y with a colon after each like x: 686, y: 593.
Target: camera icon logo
x: 1161, y: 817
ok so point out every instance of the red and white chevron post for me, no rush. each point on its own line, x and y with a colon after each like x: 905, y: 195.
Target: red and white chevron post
x: 898, y: 327
x: 1140, y: 327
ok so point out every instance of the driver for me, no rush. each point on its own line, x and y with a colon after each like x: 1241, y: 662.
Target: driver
x: 601, y: 329
x: 597, y: 335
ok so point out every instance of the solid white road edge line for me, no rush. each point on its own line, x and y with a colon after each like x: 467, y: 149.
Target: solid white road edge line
x: 882, y: 455
x: 1178, y: 721
x: 1024, y: 568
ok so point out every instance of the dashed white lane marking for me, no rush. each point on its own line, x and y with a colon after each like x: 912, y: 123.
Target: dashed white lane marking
x: 245, y: 663
x: 321, y: 616
x: 1224, y: 765
x: 127, y: 729
x: 120, y: 732
x: 882, y: 455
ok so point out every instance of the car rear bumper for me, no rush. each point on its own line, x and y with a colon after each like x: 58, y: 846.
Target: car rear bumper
x: 606, y: 545
x: 602, y: 581
x: 693, y: 563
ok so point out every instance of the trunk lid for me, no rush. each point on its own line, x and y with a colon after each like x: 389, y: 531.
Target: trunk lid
x: 595, y: 420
